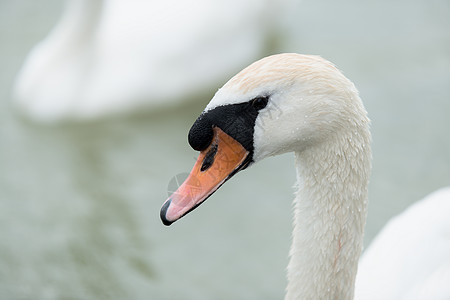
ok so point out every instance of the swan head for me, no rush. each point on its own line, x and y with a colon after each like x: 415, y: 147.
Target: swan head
x: 281, y: 103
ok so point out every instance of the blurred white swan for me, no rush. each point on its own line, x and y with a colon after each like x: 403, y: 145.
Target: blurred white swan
x: 109, y: 56
x: 410, y: 257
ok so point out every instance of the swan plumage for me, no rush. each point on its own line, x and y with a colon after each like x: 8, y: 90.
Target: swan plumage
x: 108, y: 56
x: 304, y: 104
x: 410, y: 258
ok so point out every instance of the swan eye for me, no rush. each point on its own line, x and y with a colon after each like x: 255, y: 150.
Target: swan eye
x: 260, y: 102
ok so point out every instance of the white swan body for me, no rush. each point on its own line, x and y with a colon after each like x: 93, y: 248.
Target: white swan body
x: 410, y: 257
x: 301, y: 104
x: 110, y: 56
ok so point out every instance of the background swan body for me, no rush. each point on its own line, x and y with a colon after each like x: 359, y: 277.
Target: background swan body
x: 303, y: 104
x: 410, y: 257
x: 109, y: 56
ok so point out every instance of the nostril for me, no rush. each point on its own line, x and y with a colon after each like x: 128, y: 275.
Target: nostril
x: 209, y: 158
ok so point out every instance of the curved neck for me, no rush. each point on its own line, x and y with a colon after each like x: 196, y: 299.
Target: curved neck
x: 330, y: 213
x: 79, y: 21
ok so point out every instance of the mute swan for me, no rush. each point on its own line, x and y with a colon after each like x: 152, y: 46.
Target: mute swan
x: 109, y: 56
x: 300, y: 103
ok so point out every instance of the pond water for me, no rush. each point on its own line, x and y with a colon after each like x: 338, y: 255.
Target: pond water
x: 79, y: 203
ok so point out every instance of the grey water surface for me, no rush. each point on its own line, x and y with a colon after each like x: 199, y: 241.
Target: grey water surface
x: 79, y: 203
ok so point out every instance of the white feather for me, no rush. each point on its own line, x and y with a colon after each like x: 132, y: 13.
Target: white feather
x: 410, y: 257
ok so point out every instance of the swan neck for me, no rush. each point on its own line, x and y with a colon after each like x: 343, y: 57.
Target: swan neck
x: 329, y: 218
x: 80, y: 20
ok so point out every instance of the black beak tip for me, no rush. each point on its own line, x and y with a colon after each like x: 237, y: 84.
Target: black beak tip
x: 163, y: 211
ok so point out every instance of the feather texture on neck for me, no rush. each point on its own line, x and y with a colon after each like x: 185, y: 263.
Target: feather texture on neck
x: 329, y: 215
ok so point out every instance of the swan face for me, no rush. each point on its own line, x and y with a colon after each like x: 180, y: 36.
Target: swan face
x: 309, y: 100
x: 282, y: 103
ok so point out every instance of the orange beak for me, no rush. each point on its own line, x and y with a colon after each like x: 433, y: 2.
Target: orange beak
x: 223, y: 158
